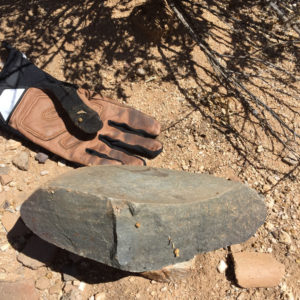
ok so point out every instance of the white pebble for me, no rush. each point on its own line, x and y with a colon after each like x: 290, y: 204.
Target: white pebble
x: 269, y: 226
x: 5, y: 247
x: 222, y: 266
x: 283, y: 287
x: 260, y: 149
x: 285, y: 238
x: 44, y: 172
x: 141, y: 72
x: 100, y: 296
x: 82, y: 286
x: 61, y: 164
x: 76, y: 282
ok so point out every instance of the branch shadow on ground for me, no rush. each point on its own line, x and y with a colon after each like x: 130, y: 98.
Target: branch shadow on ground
x: 93, y: 37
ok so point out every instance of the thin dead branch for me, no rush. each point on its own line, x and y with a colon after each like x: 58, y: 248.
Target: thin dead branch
x: 236, y: 86
x: 283, y: 16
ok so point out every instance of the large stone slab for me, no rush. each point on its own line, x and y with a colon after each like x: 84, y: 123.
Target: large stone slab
x: 140, y: 218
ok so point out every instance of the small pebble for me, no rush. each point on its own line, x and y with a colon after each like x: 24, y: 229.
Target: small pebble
x: 41, y: 157
x: 4, y: 247
x: 283, y: 286
x: 21, y: 161
x: 269, y: 226
x: 222, y: 266
x: 260, y: 149
x: 285, y: 238
x: 100, y: 296
x: 44, y: 172
x: 76, y: 282
x: 5, y: 179
x: 42, y: 283
x: 82, y: 286
x: 61, y: 164
x: 141, y: 72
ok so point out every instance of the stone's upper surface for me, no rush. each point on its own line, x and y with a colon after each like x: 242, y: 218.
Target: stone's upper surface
x: 139, y: 218
x: 145, y: 185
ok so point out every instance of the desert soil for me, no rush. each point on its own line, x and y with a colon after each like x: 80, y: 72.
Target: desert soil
x: 138, y: 54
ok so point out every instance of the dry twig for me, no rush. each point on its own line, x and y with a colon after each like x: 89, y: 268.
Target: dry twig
x: 239, y: 89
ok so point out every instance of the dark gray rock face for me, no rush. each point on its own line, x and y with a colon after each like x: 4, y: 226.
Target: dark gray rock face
x: 140, y: 218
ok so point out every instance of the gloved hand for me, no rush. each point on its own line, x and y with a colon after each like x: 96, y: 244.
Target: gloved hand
x: 36, y: 114
x: 19, y: 73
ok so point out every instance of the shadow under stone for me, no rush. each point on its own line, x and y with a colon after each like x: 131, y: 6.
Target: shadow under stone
x: 36, y: 252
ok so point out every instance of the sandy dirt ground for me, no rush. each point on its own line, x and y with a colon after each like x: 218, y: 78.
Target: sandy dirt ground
x: 140, y: 55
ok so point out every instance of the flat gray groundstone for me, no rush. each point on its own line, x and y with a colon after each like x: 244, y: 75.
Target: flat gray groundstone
x: 140, y: 218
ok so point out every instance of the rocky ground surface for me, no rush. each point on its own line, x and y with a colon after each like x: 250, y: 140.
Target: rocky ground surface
x: 156, y: 68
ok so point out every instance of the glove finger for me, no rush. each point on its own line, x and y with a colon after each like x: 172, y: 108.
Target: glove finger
x: 96, y: 158
x: 132, y: 143
x: 132, y: 120
x: 113, y: 156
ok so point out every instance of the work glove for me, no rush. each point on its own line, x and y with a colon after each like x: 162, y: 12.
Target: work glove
x: 36, y: 114
x: 19, y: 73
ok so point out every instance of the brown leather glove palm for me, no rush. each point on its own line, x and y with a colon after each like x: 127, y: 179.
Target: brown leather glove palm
x: 125, y: 133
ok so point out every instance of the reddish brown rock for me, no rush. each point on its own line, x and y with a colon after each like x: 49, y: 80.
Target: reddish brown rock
x: 19, y: 290
x: 254, y: 270
x: 173, y: 273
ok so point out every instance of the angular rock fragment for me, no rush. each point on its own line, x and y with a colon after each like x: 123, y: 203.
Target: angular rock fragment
x: 94, y: 212
x: 41, y: 157
x: 5, y: 179
x: 173, y: 273
x: 22, y: 161
x: 254, y: 270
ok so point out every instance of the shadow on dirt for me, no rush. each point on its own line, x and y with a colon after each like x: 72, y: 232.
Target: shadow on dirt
x: 121, y: 36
